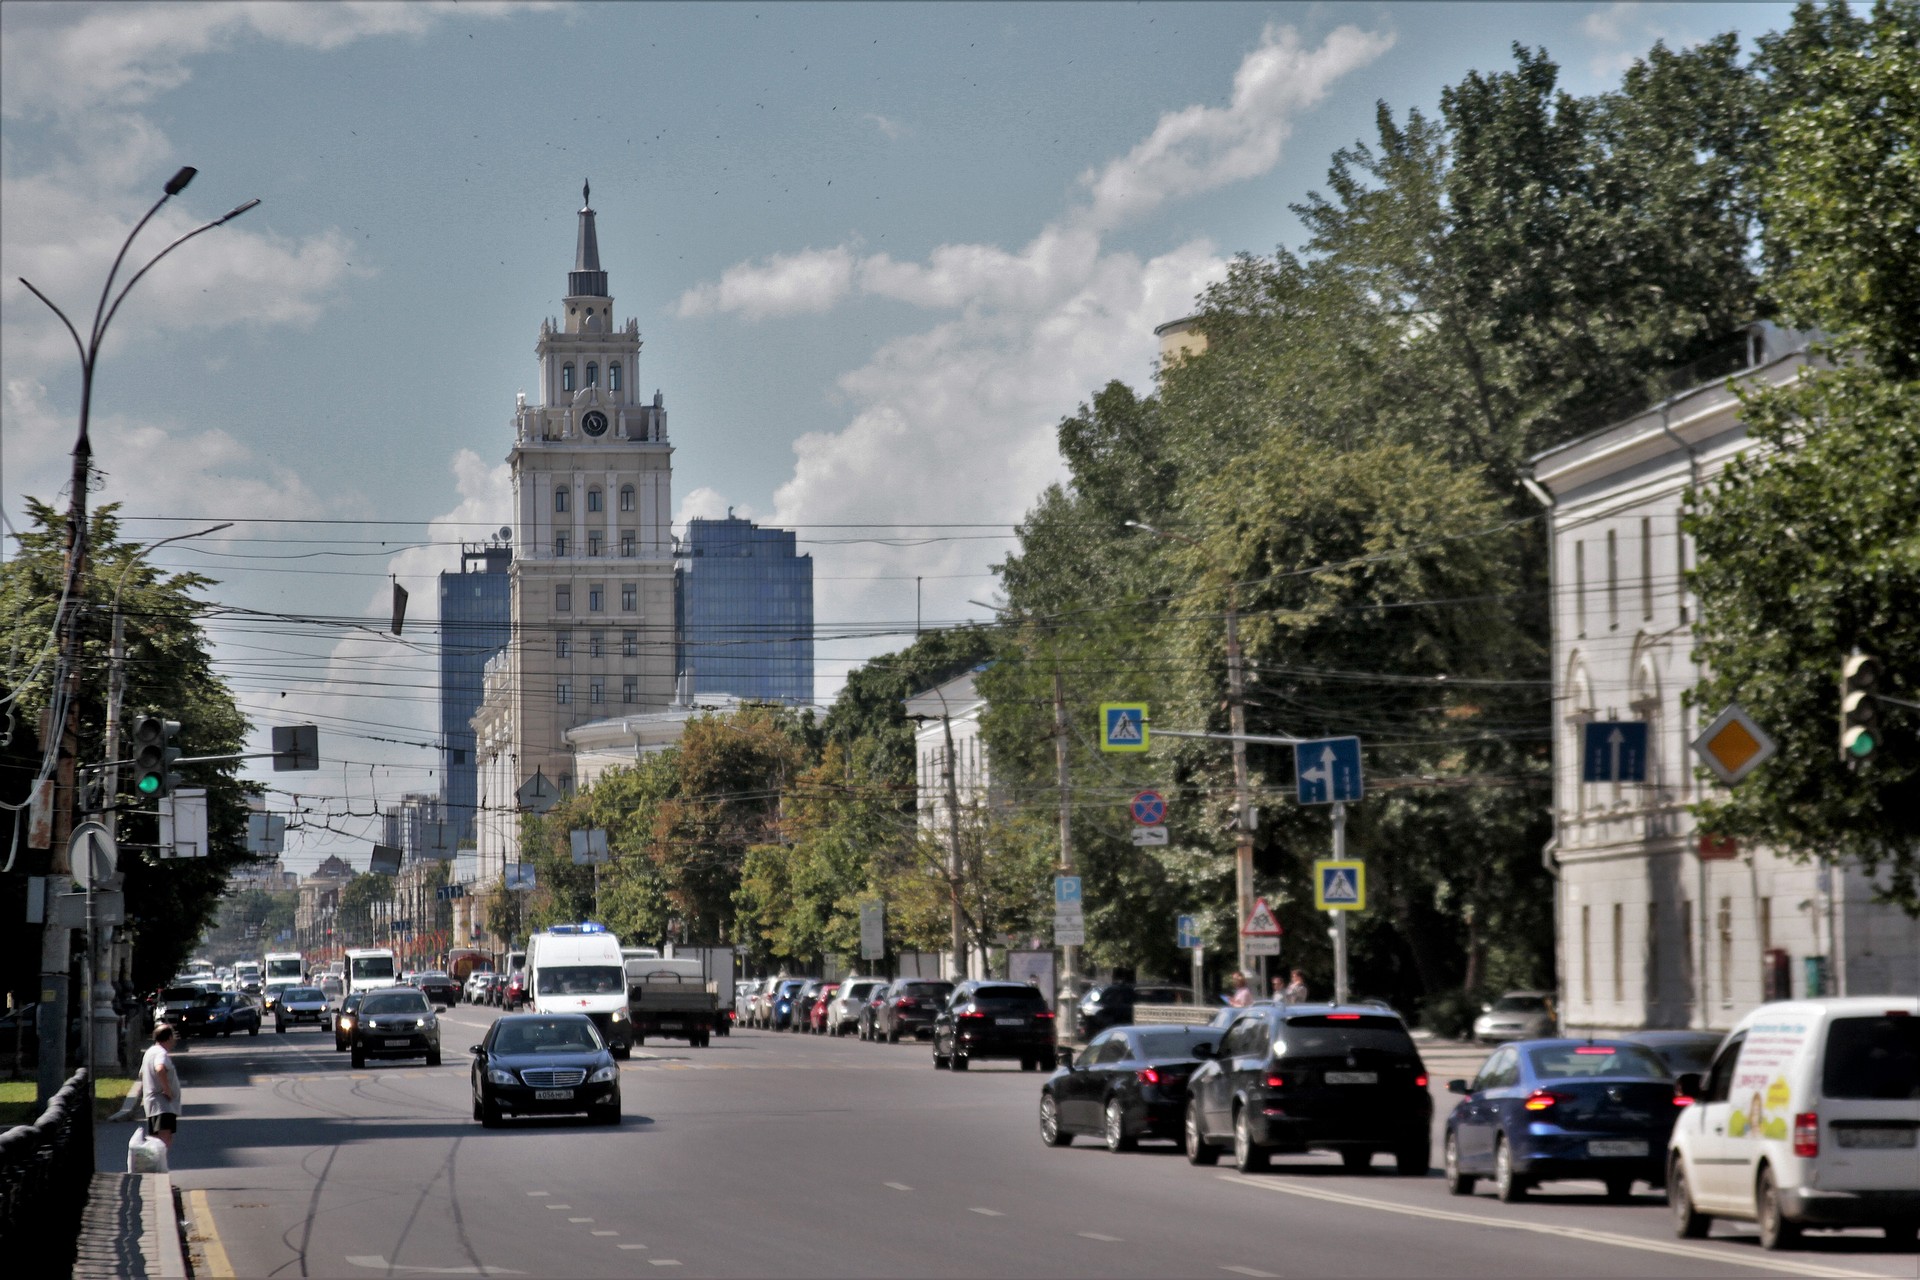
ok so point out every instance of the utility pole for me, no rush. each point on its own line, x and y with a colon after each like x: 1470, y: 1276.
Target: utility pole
x: 959, y: 940
x: 1242, y: 802
x: 1070, y: 955
x: 1339, y: 917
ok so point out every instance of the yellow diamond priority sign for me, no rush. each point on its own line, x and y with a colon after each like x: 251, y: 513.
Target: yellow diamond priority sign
x: 1734, y: 745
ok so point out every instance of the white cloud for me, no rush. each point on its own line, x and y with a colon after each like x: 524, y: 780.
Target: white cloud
x: 892, y: 130
x: 707, y: 503
x: 1634, y: 25
x: 783, y: 284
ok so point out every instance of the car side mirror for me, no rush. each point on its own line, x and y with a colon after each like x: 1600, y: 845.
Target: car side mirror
x: 1459, y: 1087
x: 476, y: 1051
x: 1688, y: 1085
x: 1065, y: 1058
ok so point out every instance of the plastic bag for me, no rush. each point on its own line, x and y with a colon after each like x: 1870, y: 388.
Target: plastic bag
x: 146, y: 1154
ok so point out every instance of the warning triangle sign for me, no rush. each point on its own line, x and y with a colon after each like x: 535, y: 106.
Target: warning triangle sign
x: 1260, y: 922
x: 1341, y: 888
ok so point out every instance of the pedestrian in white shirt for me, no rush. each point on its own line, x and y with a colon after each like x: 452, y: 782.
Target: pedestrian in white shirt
x: 160, y: 1086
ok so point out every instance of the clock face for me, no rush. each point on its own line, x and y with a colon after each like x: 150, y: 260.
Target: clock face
x: 594, y: 424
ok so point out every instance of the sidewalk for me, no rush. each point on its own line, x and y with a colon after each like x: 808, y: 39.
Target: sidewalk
x: 131, y: 1226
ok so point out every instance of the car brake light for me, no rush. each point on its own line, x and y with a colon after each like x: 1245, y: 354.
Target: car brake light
x: 1147, y: 1076
x: 1682, y: 1100
x: 1276, y: 1082
x: 1343, y: 1017
x: 1806, y: 1134
x: 1420, y: 1080
x: 1044, y: 1013
x: 970, y: 1017
x: 1593, y: 1048
x: 1542, y: 1099
x: 903, y: 1003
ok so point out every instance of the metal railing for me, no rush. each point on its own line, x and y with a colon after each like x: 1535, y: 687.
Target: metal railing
x: 45, y: 1170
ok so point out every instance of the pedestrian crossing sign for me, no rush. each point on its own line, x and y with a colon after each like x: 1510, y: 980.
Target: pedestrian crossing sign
x: 1123, y: 726
x: 1340, y: 885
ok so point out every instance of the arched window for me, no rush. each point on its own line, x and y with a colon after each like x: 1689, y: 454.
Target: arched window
x: 560, y: 498
x: 593, y: 495
x: 613, y: 376
x: 593, y: 374
x: 626, y: 497
x: 566, y: 377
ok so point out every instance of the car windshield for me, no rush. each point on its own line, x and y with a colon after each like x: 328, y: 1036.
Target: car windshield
x: 1174, y: 1042
x: 1009, y: 995
x: 431, y: 977
x: 1876, y: 1058
x: 297, y: 994
x: 1590, y: 1061
x: 1520, y: 1004
x: 1686, y: 1055
x: 546, y: 1035
x: 580, y: 980
x: 184, y: 995
x: 369, y: 967
x: 926, y: 990
x: 394, y: 1002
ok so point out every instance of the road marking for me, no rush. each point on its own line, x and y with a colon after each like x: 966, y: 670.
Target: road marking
x: 1672, y: 1248
x: 207, y: 1236
x: 664, y: 1262
x: 1249, y: 1271
x: 539, y: 1193
x: 606, y: 1233
x: 633, y: 1246
x: 579, y: 1219
x: 1095, y: 1235
x: 897, y: 1186
x: 559, y: 1206
x: 378, y: 1262
x: 988, y: 1213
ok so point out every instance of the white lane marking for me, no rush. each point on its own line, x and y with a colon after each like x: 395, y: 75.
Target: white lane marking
x: 1249, y: 1271
x: 1095, y: 1235
x: 664, y: 1262
x: 988, y: 1213
x: 606, y: 1233
x: 378, y: 1262
x: 559, y: 1206
x: 1672, y: 1248
x: 633, y: 1246
x: 539, y: 1193
x: 897, y: 1186
x: 579, y: 1219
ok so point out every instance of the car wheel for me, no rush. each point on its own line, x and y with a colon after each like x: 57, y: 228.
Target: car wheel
x: 254, y: 1030
x: 280, y: 1028
x: 893, y: 1035
x: 1198, y: 1151
x: 478, y: 1114
x: 940, y: 1061
x: 1902, y: 1235
x: 1356, y: 1161
x: 433, y: 1058
x: 1412, y: 1161
x: 960, y: 1061
x: 610, y: 1113
x: 1507, y: 1184
x: 359, y: 1058
x: 489, y: 1115
x: 1776, y: 1231
x: 1118, y: 1139
x: 1458, y: 1183
x: 1620, y: 1189
x: 1248, y: 1156
x: 1050, y: 1131
x: 624, y: 1053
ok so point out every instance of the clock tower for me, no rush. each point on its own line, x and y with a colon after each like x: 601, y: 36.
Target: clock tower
x: 592, y: 573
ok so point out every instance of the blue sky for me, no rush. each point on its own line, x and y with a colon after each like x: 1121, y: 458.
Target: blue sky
x: 876, y: 252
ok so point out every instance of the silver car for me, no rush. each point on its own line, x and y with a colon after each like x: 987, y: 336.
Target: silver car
x: 1518, y: 1015
x: 843, y: 1011
x: 743, y: 993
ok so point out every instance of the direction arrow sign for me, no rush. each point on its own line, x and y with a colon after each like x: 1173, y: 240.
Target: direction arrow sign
x: 1340, y: 885
x: 1149, y: 808
x: 1260, y: 921
x: 1734, y: 745
x: 1186, y: 933
x: 1614, y: 751
x: 1327, y: 771
x: 1123, y: 726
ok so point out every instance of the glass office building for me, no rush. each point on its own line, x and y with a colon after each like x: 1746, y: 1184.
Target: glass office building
x: 475, y: 621
x: 745, y: 605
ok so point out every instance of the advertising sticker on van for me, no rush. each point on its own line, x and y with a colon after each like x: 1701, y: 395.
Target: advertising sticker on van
x: 1761, y: 1095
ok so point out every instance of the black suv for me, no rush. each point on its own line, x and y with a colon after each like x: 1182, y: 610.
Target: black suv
x: 994, y: 1020
x: 1295, y: 1078
x: 1111, y: 1004
x: 395, y: 1022
x: 909, y: 1007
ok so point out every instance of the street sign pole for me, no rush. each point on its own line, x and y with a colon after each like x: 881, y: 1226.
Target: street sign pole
x: 1339, y: 917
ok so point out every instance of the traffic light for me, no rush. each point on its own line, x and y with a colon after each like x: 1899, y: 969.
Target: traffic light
x: 153, y: 756
x: 1859, y: 720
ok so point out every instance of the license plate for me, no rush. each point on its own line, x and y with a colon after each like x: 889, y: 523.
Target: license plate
x: 1884, y: 1139
x: 552, y: 1095
x: 1353, y: 1077
x: 1620, y: 1147
x: 397, y: 1044
x: 670, y: 1026
x: 1010, y: 1022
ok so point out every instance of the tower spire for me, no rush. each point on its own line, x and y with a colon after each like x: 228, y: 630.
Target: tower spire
x: 586, y: 280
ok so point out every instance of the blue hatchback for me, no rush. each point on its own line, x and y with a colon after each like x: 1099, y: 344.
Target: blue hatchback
x: 1545, y: 1110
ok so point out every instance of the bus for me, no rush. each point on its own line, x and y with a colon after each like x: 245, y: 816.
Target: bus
x: 285, y: 966
x: 370, y: 967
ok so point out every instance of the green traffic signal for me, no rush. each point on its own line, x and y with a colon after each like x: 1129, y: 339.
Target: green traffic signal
x: 154, y: 755
x: 148, y: 784
x: 1859, y: 721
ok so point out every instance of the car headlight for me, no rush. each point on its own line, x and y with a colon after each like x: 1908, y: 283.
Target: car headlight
x: 603, y: 1075
x: 619, y: 1015
x: 346, y: 1020
x: 499, y: 1075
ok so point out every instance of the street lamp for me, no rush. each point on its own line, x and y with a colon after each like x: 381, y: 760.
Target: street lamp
x: 54, y: 939
x: 1237, y: 724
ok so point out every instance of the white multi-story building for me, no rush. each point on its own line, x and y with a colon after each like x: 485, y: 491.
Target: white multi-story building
x: 947, y: 717
x: 1658, y: 927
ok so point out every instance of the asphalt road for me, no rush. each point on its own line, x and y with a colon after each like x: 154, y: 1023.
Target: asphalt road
x: 784, y: 1155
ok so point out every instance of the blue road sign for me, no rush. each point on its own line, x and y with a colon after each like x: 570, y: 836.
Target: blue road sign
x: 1149, y: 808
x: 1123, y: 726
x: 1066, y: 889
x: 1186, y: 927
x: 1327, y: 771
x: 1614, y: 751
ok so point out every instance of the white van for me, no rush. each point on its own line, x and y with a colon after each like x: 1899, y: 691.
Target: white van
x: 1808, y: 1117
x: 369, y: 968
x: 578, y: 968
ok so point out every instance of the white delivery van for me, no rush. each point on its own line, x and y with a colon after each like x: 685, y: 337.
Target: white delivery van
x: 369, y: 968
x: 286, y: 966
x: 1808, y: 1117
x: 578, y: 968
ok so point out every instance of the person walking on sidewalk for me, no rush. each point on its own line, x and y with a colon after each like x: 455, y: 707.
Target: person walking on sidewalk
x: 160, y: 1086
x: 1242, y: 993
x: 1296, y: 991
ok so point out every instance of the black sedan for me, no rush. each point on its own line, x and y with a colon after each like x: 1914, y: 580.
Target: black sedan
x: 224, y: 1014
x: 1131, y: 1083
x: 1542, y: 1110
x: 544, y: 1064
x: 440, y: 988
x: 395, y: 1022
x: 1007, y: 1020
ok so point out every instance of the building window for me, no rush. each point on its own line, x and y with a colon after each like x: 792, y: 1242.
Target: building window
x: 596, y: 599
x: 626, y: 497
x: 593, y: 499
x: 563, y: 599
x: 563, y: 692
x: 629, y: 597
x: 596, y: 692
x: 1646, y: 568
x: 595, y: 643
x: 562, y: 499
x: 629, y: 644
x: 563, y: 644
x: 613, y: 376
x: 1680, y: 563
x: 1613, y: 580
x: 560, y: 545
x: 593, y: 374
x: 566, y: 377
x: 1580, y: 588
x: 626, y: 544
x: 593, y: 544
x: 630, y: 691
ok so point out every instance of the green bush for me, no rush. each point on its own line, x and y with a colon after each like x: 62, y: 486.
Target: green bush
x: 1450, y: 1014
